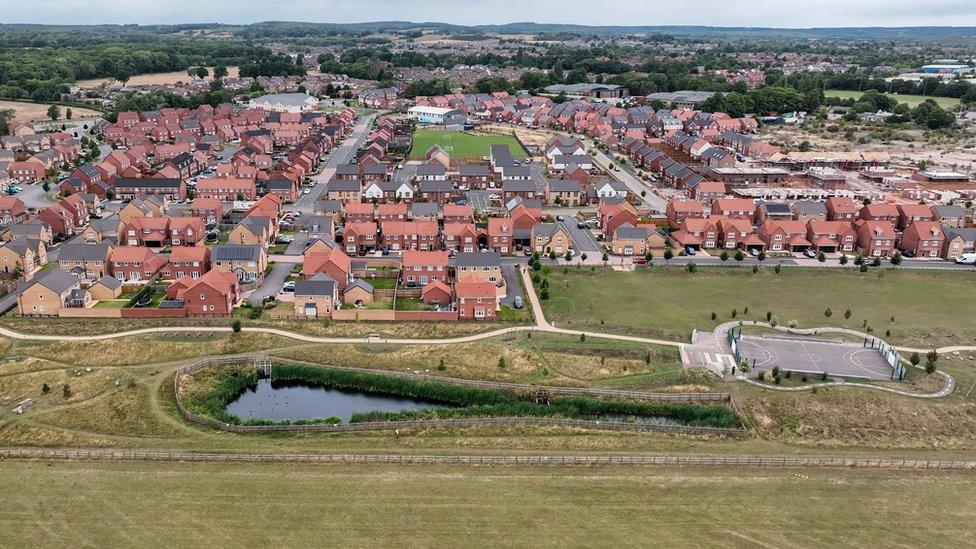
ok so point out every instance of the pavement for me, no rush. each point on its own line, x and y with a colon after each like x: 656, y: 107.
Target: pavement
x: 342, y: 154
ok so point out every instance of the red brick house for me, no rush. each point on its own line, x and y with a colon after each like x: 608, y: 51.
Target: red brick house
x: 910, y: 213
x: 737, y: 233
x: 187, y: 261
x: 454, y: 213
x: 135, y: 263
x: 358, y: 212
x: 227, y: 188
x: 436, y: 293
x: 12, y: 210
x: 391, y: 212
x: 333, y: 263
x: 410, y: 235
x: 476, y: 299
x: 707, y: 192
x: 831, y: 236
x: 418, y: 268
x: 213, y: 294
x: 679, y: 210
x: 615, y: 214
x: 784, y: 236
x: 60, y: 219
x: 26, y: 172
x: 735, y: 207
x: 880, y: 212
x: 841, y: 208
x: 462, y: 237
x: 922, y: 239
x: 501, y: 235
x: 875, y: 238
x: 697, y: 232
x: 211, y: 210
x: 358, y: 238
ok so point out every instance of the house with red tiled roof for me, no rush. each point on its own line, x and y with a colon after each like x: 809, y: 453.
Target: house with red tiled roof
x: 875, y: 238
x: 409, y: 235
x: 213, y: 294
x: 333, y: 263
x: 476, y: 299
x: 784, y: 236
x: 841, y: 208
x: 910, y: 213
x: 187, y: 261
x: 360, y: 237
x: 679, y: 210
x: 135, y: 263
x: 418, y: 268
x: 831, y: 236
x: 922, y: 239
x: 735, y: 207
x: 697, y: 233
x: 880, y: 212
x: 501, y: 235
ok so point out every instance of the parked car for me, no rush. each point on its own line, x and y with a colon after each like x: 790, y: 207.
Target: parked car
x: 967, y: 259
x: 518, y: 302
x: 810, y: 253
x: 690, y: 251
x: 288, y: 286
x: 560, y: 218
x: 640, y: 261
x: 283, y: 239
x: 581, y: 225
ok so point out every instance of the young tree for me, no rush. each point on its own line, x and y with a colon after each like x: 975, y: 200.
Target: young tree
x: 668, y: 254
x: 739, y: 255
x: 68, y: 114
x: 54, y: 112
x: 236, y: 326
x: 761, y: 256
x: 724, y: 256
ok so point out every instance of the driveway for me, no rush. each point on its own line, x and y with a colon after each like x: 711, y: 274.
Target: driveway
x: 272, y: 283
x: 636, y: 186
x: 512, y: 285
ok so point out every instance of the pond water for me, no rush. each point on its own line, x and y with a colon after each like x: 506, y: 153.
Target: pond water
x: 281, y: 400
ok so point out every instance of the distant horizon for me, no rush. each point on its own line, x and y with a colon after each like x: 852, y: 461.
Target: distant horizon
x: 719, y: 14
x: 477, y: 25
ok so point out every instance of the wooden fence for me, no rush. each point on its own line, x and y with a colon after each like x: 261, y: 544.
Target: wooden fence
x: 445, y: 423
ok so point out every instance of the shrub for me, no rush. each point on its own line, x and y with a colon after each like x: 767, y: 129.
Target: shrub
x: 776, y: 371
x: 45, y: 388
x: 66, y: 391
x: 236, y: 326
x: 761, y: 376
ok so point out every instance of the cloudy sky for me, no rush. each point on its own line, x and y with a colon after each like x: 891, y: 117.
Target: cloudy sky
x: 770, y: 13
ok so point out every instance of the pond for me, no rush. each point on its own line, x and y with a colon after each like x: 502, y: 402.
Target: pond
x: 294, y: 400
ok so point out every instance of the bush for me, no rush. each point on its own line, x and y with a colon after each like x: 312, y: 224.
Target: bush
x: 776, y: 371
x: 236, y: 326
x: 761, y: 376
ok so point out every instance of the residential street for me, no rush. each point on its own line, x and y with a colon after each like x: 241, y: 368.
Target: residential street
x: 340, y: 155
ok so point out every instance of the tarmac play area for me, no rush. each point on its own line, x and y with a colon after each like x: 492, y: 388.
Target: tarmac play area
x: 815, y: 356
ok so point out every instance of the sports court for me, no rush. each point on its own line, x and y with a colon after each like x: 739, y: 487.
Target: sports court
x: 871, y: 359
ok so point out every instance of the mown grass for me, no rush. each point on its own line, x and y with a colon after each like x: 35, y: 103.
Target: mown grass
x: 929, y: 307
x: 910, y: 100
x: 110, y: 504
x: 461, y: 144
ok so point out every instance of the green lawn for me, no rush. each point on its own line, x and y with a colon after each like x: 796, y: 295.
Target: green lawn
x: 409, y: 304
x: 930, y: 307
x: 100, y: 504
x: 382, y: 283
x: 911, y: 100
x: 111, y: 304
x: 461, y: 144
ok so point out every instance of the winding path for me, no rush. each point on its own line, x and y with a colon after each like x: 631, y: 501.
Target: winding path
x: 540, y: 325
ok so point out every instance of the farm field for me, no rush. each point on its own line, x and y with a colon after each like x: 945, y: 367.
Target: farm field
x: 150, y: 79
x: 37, y: 112
x: 104, y: 504
x: 461, y: 144
x: 911, y: 100
x: 930, y: 308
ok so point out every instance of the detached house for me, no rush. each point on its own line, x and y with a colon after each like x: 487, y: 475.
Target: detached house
x: 831, y: 236
x: 875, y: 238
x: 476, y: 299
x: 922, y: 239
x: 213, y: 294
x: 550, y: 238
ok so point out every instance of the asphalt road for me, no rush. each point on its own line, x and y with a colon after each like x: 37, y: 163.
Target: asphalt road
x: 583, y: 239
x: 339, y: 155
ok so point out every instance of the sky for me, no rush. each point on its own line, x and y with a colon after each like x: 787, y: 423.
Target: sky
x: 758, y: 13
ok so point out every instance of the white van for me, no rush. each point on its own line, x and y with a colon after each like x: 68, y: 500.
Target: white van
x: 967, y: 259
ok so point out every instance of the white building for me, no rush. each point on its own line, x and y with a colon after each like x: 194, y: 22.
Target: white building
x: 285, y: 102
x: 432, y: 115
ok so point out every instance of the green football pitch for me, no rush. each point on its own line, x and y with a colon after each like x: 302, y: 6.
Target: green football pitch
x: 461, y: 144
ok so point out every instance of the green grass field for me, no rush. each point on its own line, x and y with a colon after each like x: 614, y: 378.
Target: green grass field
x: 103, y: 504
x: 461, y: 144
x: 911, y: 100
x: 930, y: 307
